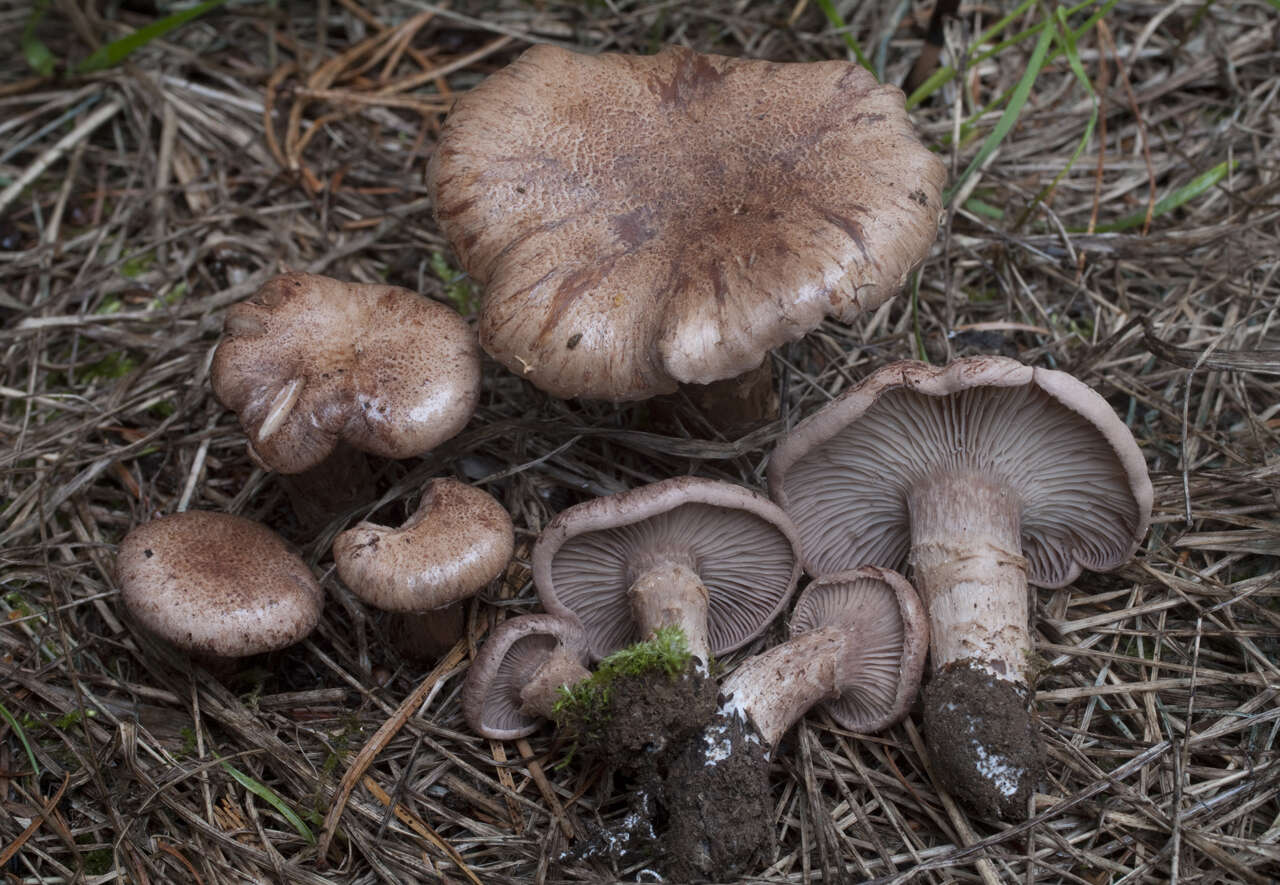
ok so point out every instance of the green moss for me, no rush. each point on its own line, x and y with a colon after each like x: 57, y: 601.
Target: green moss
x: 586, y: 704
x: 456, y: 287
x: 99, y: 861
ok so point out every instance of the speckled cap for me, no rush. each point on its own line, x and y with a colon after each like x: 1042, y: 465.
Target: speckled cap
x: 457, y: 541
x: 891, y: 640
x: 513, y: 652
x: 640, y: 221
x: 742, y: 547
x: 217, y: 584
x: 844, y: 473
x: 310, y: 360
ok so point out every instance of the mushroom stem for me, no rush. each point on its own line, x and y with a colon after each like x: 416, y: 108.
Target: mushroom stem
x: 774, y: 688
x: 428, y: 636
x: 967, y: 555
x: 670, y: 594
x: 540, y: 693
x: 339, y: 483
x: 739, y: 404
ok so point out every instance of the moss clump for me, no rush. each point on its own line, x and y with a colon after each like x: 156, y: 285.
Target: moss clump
x: 584, y: 711
x: 588, y: 701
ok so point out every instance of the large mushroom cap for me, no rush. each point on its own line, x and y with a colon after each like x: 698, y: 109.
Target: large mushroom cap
x: 457, y: 541
x: 741, y: 546
x: 217, y: 584
x: 491, y: 700
x: 639, y: 221
x: 891, y: 638
x: 309, y: 360
x: 844, y: 474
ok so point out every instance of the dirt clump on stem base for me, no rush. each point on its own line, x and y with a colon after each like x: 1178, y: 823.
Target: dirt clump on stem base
x: 636, y: 714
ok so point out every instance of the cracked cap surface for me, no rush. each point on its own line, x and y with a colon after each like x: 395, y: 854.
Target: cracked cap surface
x: 639, y: 221
x: 217, y: 584
x: 309, y: 361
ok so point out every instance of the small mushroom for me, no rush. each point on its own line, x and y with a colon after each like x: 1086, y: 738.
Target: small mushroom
x: 858, y: 642
x: 456, y: 542
x: 643, y: 221
x: 216, y: 585
x: 983, y: 475
x: 515, y: 680
x: 311, y: 361
x: 716, y: 560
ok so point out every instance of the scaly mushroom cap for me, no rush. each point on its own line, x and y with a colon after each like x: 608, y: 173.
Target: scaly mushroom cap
x: 741, y: 546
x: 217, y: 584
x: 844, y: 473
x: 891, y: 641
x: 515, y: 650
x: 639, y: 221
x: 309, y: 361
x: 457, y: 541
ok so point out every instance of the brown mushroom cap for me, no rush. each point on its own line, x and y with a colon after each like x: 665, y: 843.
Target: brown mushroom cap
x: 491, y: 700
x: 845, y: 473
x: 739, y: 544
x: 457, y: 541
x: 217, y: 584
x: 890, y: 642
x: 639, y: 221
x: 309, y: 361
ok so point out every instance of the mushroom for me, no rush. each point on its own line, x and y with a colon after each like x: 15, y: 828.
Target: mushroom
x: 643, y: 221
x: 456, y: 542
x: 716, y: 560
x: 858, y: 642
x: 984, y: 475
x: 515, y: 680
x: 312, y: 364
x: 216, y: 585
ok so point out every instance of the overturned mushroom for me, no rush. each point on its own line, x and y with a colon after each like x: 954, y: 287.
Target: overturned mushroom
x: 714, y: 559
x: 217, y: 586
x: 457, y: 541
x: 643, y: 221
x: 984, y: 475
x: 858, y: 642
x: 515, y: 680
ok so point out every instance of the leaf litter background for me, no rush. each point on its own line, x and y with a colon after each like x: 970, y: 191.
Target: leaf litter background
x: 1113, y: 212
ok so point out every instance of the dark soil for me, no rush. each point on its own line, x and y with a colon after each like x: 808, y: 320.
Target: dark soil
x: 650, y: 715
x: 719, y: 820
x: 982, y: 740
x: 650, y: 719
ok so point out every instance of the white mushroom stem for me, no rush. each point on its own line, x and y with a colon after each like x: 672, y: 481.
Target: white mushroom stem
x: 670, y: 594
x: 540, y: 693
x: 775, y: 688
x: 967, y: 555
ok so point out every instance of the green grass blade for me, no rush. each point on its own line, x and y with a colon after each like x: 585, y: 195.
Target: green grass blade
x: 22, y: 738
x: 837, y: 21
x: 117, y: 51
x: 1011, y: 112
x: 38, y: 56
x: 917, y: 335
x: 1067, y: 41
x: 947, y: 73
x: 269, y: 796
x: 1189, y: 191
